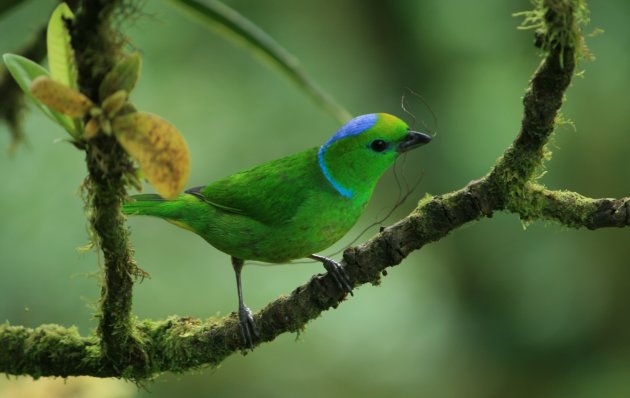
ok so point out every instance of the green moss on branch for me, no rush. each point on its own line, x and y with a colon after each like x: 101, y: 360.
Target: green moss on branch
x: 523, y: 160
x: 570, y: 208
x: 49, y: 350
x: 97, y: 46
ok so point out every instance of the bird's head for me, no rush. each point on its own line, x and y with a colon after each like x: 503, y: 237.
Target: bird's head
x: 363, y: 149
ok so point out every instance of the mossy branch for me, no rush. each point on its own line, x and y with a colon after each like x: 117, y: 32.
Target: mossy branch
x: 140, y: 349
x: 572, y: 209
x: 97, y: 47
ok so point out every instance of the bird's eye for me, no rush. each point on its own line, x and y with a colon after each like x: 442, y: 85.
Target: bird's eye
x: 378, y: 145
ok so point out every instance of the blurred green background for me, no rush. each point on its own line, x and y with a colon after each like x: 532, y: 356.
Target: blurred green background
x: 493, y: 310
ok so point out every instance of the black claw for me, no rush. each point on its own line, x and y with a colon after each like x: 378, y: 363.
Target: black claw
x: 248, y: 326
x: 339, y: 274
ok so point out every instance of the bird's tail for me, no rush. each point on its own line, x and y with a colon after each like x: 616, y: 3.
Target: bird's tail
x: 182, y: 211
x: 147, y: 205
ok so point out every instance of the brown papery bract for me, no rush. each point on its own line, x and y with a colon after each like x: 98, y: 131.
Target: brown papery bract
x: 159, y: 149
x: 60, y: 97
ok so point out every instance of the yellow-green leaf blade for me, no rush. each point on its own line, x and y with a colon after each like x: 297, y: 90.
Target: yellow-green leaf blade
x: 60, y: 53
x: 159, y: 149
x: 123, y: 76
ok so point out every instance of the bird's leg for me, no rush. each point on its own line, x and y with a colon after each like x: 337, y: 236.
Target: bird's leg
x: 248, y: 327
x: 336, y: 270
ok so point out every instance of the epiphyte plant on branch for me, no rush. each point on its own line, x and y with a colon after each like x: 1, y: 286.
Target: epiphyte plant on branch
x: 138, y: 349
x: 155, y: 144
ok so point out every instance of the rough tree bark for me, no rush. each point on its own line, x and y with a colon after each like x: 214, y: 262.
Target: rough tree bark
x: 126, y: 347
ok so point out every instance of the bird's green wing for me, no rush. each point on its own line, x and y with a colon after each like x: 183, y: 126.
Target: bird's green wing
x: 271, y: 192
x: 198, y: 192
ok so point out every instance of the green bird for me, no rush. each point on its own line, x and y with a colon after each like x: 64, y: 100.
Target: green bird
x: 292, y: 207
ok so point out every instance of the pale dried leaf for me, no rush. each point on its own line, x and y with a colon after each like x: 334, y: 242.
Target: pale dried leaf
x: 60, y: 97
x: 159, y: 149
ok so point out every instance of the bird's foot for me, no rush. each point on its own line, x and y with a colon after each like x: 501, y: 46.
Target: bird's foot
x: 338, y: 273
x: 248, y: 326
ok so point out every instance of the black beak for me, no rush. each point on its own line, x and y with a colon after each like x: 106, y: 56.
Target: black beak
x: 413, y: 140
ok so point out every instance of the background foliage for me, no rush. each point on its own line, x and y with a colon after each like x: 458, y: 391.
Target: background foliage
x: 494, y: 309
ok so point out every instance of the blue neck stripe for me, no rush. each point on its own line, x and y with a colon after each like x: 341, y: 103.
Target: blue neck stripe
x: 345, y: 192
x: 354, y: 127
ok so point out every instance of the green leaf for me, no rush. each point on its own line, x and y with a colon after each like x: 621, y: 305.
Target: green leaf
x: 228, y: 22
x: 123, y: 76
x: 24, y: 71
x: 60, y: 53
